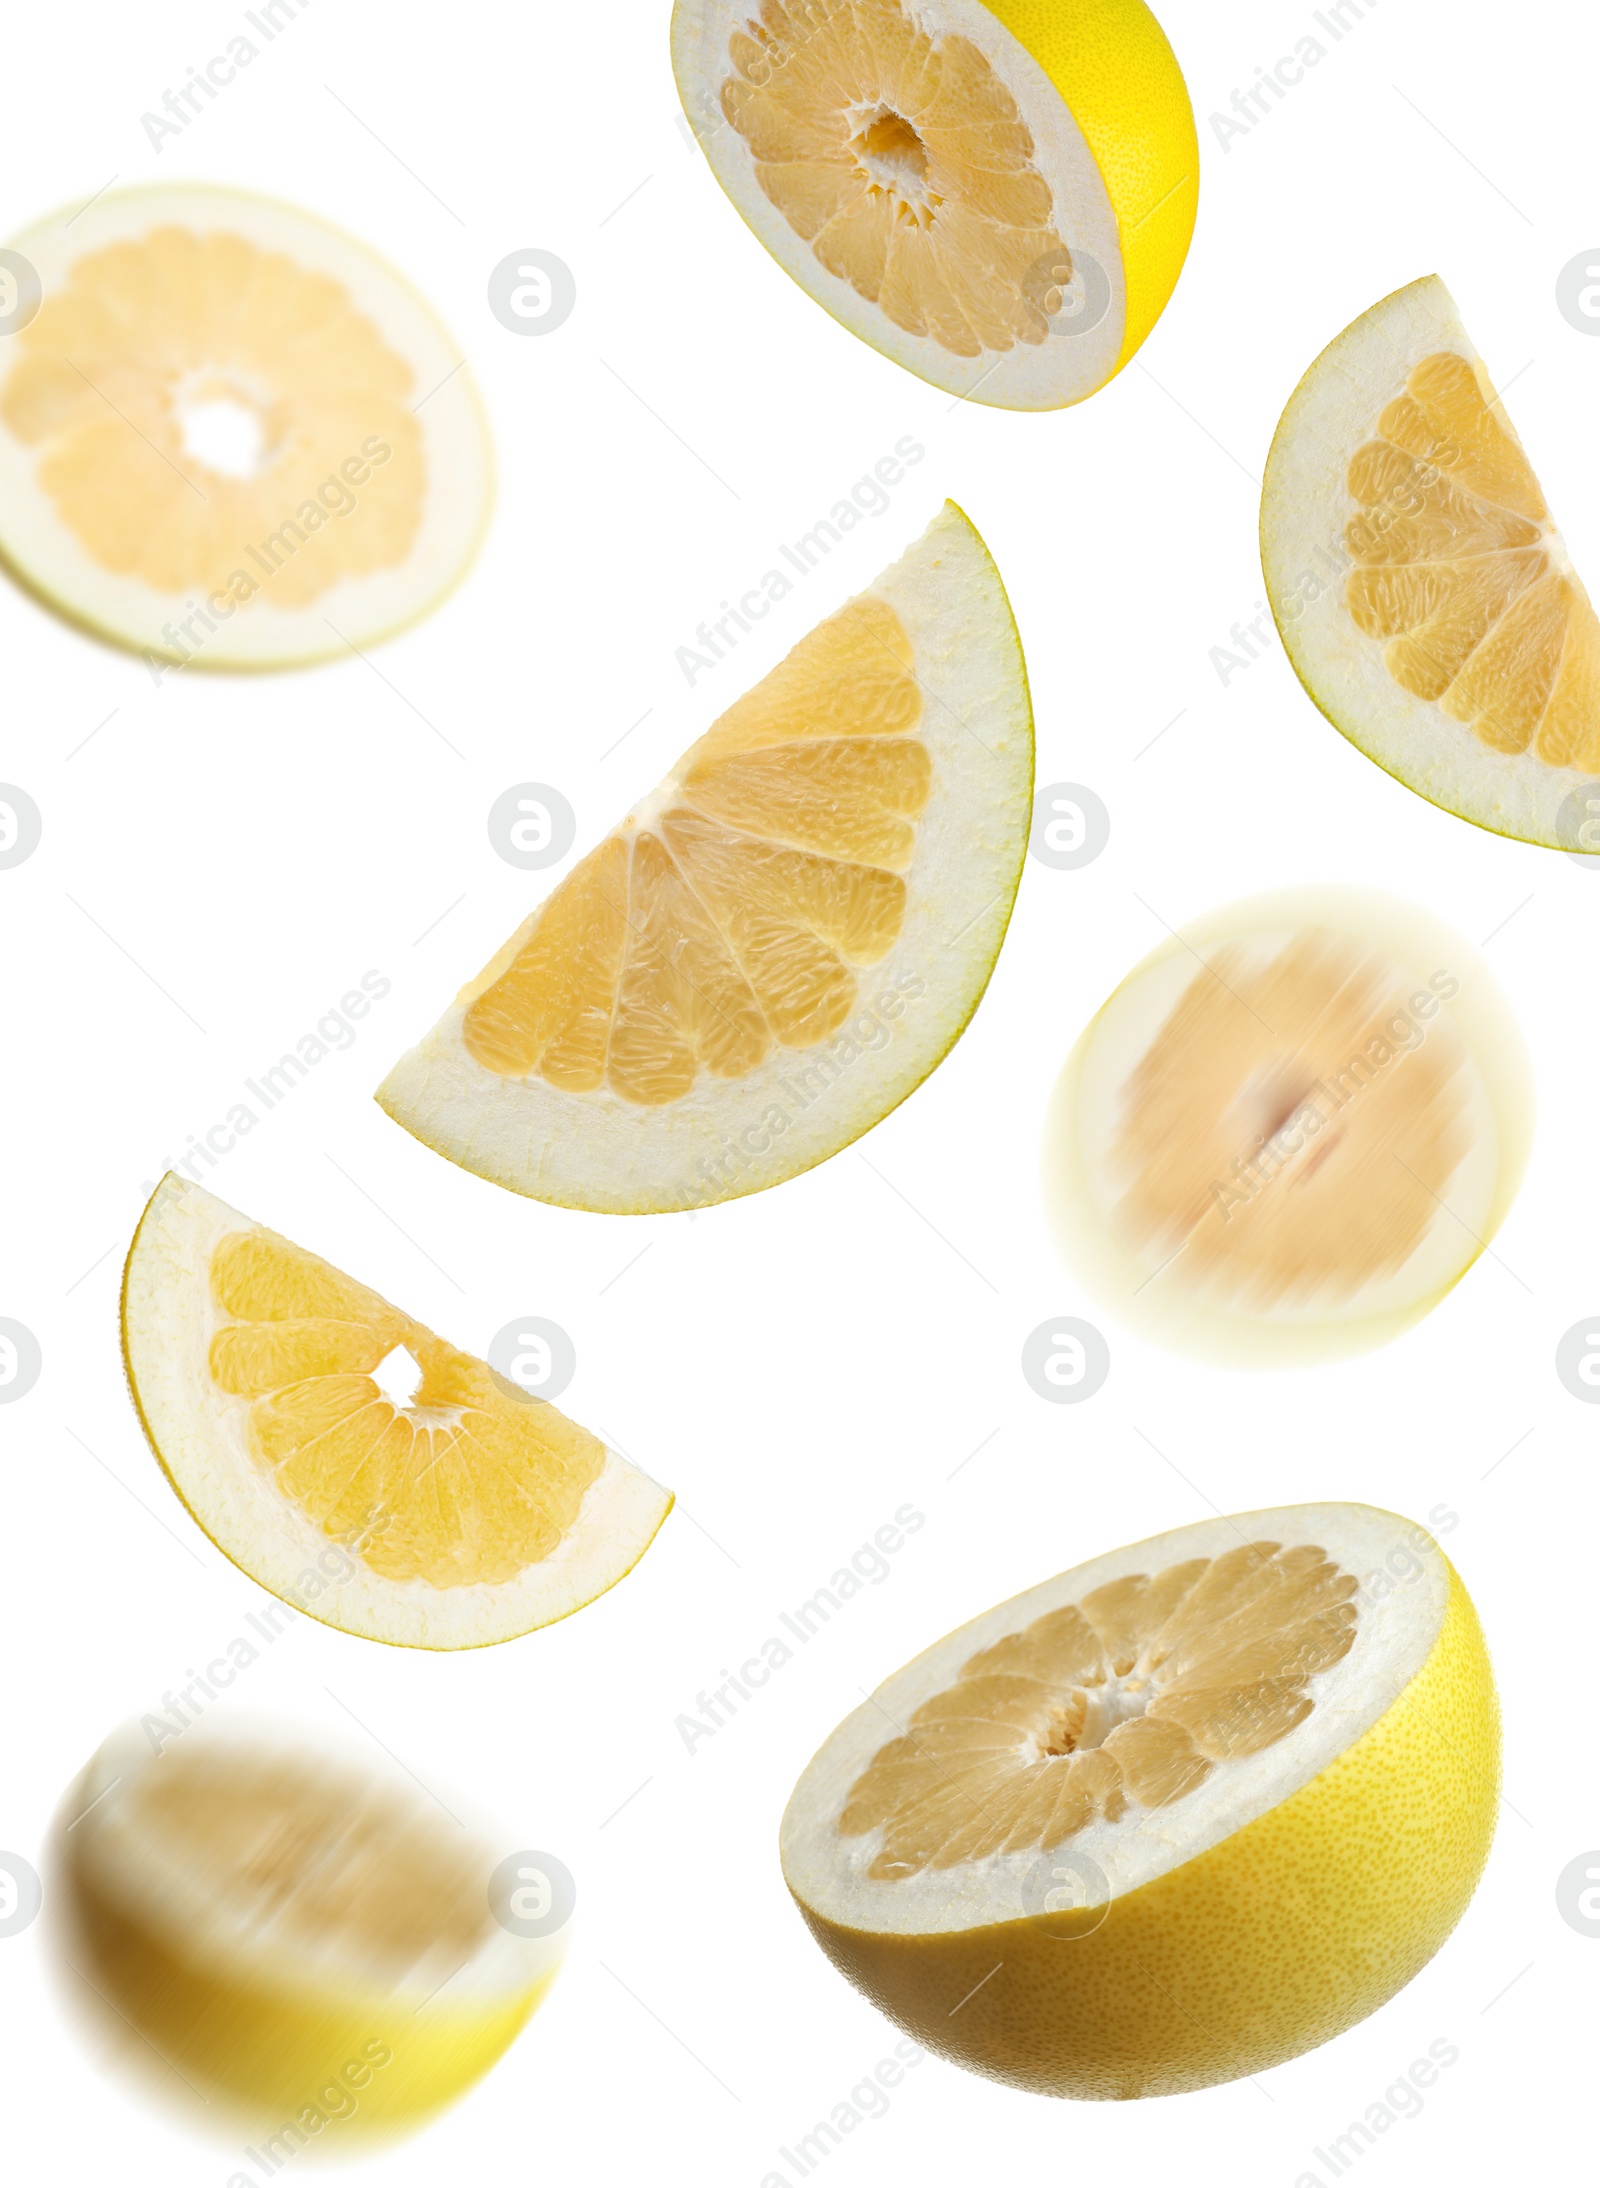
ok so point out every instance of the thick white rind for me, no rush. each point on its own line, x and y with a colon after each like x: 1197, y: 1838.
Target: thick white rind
x: 1150, y: 1296
x: 1404, y: 1583
x: 459, y: 465
x: 1305, y: 506
x: 720, y: 1141
x: 1063, y: 368
x: 201, y: 1436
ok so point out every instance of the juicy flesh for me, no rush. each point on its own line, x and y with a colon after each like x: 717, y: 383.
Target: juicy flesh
x: 313, y: 1856
x: 903, y: 161
x: 1460, y: 570
x: 195, y: 398
x: 1289, y: 1133
x: 465, y: 1485
x: 1122, y: 1702
x: 738, y: 916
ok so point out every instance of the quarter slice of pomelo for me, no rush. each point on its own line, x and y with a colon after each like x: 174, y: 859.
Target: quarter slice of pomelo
x: 1172, y: 1817
x: 465, y: 1514
x: 1291, y: 1130
x: 1422, y: 590
x: 999, y: 198
x: 232, y: 437
x: 781, y: 940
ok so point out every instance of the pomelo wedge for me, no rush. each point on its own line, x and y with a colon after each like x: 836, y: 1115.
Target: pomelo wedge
x: 1291, y: 1130
x: 1421, y: 588
x: 232, y: 437
x: 1172, y: 1817
x: 999, y: 198
x: 465, y: 1514
x: 302, y: 1937
x: 781, y: 940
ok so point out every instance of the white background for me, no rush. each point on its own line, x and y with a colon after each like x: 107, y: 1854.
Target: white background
x: 800, y: 1364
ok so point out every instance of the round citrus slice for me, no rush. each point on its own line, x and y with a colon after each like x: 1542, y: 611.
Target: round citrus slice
x: 293, y: 1932
x: 1422, y: 590
x: 781, y: 940
x: 230, y: 436
x: 455, y: 1512
x: 999, y: 198
x: 1291, y: 1130
x: 1169, y: 1818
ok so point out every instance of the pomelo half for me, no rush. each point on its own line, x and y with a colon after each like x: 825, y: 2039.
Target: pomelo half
x: 1170, y: 1818
x: 464, y: 1514
x: 232, y: 437
x: 999, y: 198
x: 300, y: 1933
x: 1420, y: 585
x: 1291, y: 1130
x: 781, y: 940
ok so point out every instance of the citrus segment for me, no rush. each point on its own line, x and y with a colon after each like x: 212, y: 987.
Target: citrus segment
x: 232, y: 437
x: 999, y: 199
x: 777, y: 943
x: 1169, y: 1818
x: 462, y: 1514
x: 1291, y: 1130
x: 1424, y: 594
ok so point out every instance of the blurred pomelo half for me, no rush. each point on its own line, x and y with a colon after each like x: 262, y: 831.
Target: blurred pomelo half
x: 999, y: 198
x: 461, y: 1513
x: 1172, y: 1817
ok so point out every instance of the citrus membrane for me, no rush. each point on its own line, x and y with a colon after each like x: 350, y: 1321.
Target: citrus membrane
x: 1291, y: 1130
x: 1169, y: 1818
x: 232, y: 437
x: 998, y: 198
x: 781, y: 940
x: 466, y: 1513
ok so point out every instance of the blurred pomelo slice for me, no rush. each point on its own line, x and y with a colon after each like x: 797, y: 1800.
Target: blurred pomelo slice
x: 999, y: 198
x: 1423, y: 592
x: 781, y: 940
x: 232, y: 437
x: 297, y: 1932
x: 1168, y: 1818
x: 1291, y: 1130
x: 465, y: 1514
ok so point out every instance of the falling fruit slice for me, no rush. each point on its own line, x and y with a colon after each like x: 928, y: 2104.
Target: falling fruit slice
x: 1169, y: 1818
x: 1291, y: 1129
x: 781, y: 940
x: 463, y: 1513
x: 230, y: 436
x: 1422, y: 590
x: 999, y: 198
x: 293, y: 1933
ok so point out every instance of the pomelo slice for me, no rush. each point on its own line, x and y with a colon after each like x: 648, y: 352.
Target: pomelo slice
x: 781, y: 940
x: 465, y: 1514
x: 999, y: 198
x: 1291, y: 1130
x: 1172, y: 1817
x: 232, y: 437
x: 298, y: 1934
x: 1421, y: 588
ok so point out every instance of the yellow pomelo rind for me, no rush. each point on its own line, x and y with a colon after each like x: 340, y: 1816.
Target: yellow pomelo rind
x: 1276, y: 1939
x: 1133, y: 165
x: 40, y: 556
x: 163, y: 1354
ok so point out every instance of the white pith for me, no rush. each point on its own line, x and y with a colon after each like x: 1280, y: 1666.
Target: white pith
x: 1082, y: 1119
x: 1062, y: 368
x: 599, y: 1151
x: 202, y: 1436
x: 1404, y: 1587
x: 456, y: 449
x: 186, y: 1907
x: 1305, y: 505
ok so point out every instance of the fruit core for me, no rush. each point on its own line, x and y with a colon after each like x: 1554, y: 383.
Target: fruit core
x: 1127, y: 1699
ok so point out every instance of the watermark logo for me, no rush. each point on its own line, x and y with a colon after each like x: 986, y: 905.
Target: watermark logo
x: 1066, y: 1360
x: 535, y: 1357
x: 531, y: 825
x: 21, y: 291
x: 1578, y: 1360
x: 1065, y: 1895
x: 20, y: 1360
x: 532, y: 292
x: 1577, y: 1893
x: 21, y: 1894
x: 21, y: 825
x: 532, y: 1894
x: 1578, y: 294
x: 1071, y: 827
